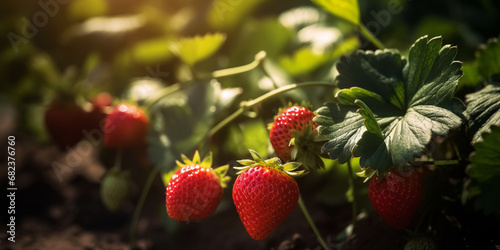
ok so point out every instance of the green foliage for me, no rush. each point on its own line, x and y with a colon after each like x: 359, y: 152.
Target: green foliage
x: 486, y: 170
x: 303, y: 61
x: 226, y: 15
x: 152, y: 50
x: 346, y: 9
x: 181, y: 120
x: 194, y: 49
x: 306, y: 59
x: 403, y: 103
x: 487, y: 58
x: 483, y: 111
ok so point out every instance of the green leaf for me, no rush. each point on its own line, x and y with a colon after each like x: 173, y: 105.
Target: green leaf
x: 483, y: 111
x: 303, y: 61
x: 181, y: 121
x: 152, y: 51
x: 255, y: 136
x: 403, y: 104
x: 485, y: 161
x: 266, y: 34
x: 342, y: 126
x: 142, y: 89
x: 226, y: 15
x: 486, y: 169
x: 488, y: 59
x: 346, y: 9
x: 83, y: 9
x: 194, y: 49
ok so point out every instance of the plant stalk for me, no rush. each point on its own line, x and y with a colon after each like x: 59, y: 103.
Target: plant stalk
x: 311, y: 223
x: 247, y: 105
x: 138, y: 209
x: 439, y: 163
x: 259, y: 57
x: 354, y: 194
x: 216, y: 74
x: 373, y: 39
x: 118, y: 159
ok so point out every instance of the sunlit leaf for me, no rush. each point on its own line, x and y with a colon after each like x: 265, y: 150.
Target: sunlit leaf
x: 346, y: 9
x: 142, y: 89
x: 267, y: 34
x: 83, y: 9
x: 194, y: 49
x: 303, y: 61
x: 225, y: 15
x: 409, y: 100
x: 300, y: 17
x: 152, y: 50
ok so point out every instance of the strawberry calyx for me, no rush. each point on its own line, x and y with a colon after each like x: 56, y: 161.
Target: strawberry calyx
x: 368, y: 173
x: 290, y: 168
x: 206, y: 163
x: 307, y: 147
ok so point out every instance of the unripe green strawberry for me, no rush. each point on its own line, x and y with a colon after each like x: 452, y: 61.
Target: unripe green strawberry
x: 421, y: 243
x: 125, y: 126
x: 115, y: 189
x: 396, y: 197
x: 195, y: 189
x: 294, y: 136
x: 264, y: 194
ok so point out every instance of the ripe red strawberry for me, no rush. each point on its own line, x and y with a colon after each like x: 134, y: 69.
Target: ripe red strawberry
x: 294, y: 136
x: 264, y: 195
x: 125, y: 126
x: 65, y: 122
x: 396, y: 197
x: 195, y: 190
x: 96, y: 116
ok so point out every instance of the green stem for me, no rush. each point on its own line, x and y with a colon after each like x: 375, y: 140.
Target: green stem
x: 166, y: 91
x: 240, y: 69
x: 311, y: 223
x: 354, y: 194
x: 438, y: 163
x: 366, y: 33
x: 245, y: 106
x: 216, y: 74
x: 118, y: 159
x: 138, y: 209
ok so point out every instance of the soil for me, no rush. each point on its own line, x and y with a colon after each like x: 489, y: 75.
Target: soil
x: 67, y: 213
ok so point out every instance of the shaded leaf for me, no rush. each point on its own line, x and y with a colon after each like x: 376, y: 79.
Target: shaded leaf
x: 483, y: 111
x: 486, y: 169
x: 180, y: 122
x: 488, y: 59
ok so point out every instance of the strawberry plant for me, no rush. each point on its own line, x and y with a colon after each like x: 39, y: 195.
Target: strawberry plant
x: 394, y: 142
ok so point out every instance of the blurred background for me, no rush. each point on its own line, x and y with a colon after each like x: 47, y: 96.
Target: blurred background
x: 55, y: 51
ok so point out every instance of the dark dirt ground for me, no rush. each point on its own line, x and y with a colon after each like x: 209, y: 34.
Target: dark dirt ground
x: 68, y: 214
